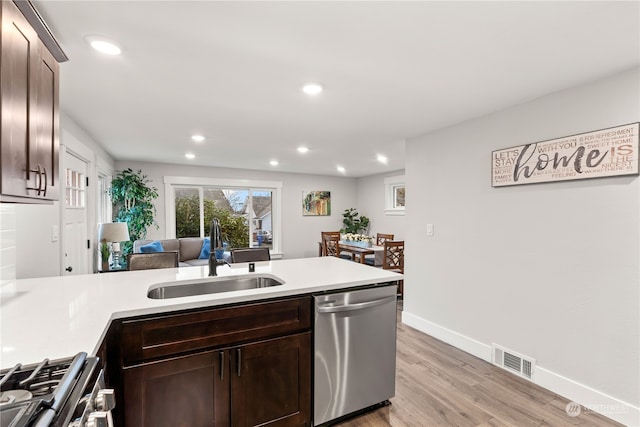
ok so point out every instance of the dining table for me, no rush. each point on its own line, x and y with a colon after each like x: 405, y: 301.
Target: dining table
x: 359, y: 253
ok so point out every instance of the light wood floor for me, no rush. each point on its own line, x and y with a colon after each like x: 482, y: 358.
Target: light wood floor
x: 440, y: 385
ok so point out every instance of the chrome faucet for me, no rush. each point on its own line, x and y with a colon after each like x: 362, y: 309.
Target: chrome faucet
x: 214, y: 263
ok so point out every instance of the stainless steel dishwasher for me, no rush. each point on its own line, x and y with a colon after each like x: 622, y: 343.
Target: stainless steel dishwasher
x: 355, y: 351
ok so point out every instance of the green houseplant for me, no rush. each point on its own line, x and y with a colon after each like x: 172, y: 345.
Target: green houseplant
x: 354, y: 223
x: 104, y: 255
x: 132, y: 198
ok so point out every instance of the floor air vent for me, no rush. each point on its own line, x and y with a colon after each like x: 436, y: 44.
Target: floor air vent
x: 513, y: 362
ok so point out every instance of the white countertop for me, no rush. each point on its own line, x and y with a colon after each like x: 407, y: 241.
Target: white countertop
x: 56, y: 317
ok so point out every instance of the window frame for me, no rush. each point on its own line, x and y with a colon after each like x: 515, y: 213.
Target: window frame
x: 104, y: 206
x: 275, y: 187
x: 391, y: 185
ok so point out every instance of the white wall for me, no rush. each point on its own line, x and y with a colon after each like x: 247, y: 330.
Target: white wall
x: 36, y: 254
x: 7, y: 243
x: 371, y: 203
x: 26, y: 249
x: 548, y: 270
x: 67, y: 124
x: 300, y: 234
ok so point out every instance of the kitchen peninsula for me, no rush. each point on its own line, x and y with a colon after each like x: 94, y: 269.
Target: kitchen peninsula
x: 69, y: 314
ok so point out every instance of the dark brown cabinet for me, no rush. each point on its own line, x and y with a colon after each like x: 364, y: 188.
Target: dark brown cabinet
x: 266, y: 383
x: 243, y: 365
x: 184, y: 391
x: 29, y: 88
x: 271, y: 382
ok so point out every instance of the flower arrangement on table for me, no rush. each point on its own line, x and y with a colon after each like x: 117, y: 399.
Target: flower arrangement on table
x: 357, y: 239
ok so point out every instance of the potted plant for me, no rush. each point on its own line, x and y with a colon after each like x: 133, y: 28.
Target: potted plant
x: 104, y: 255
x: 354, y: 223
x: 133, y: 198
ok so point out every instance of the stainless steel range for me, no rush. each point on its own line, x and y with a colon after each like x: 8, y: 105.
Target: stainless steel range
x: 61, y: 393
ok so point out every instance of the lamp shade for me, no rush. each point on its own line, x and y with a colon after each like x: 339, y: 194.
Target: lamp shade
x: 113, y: 232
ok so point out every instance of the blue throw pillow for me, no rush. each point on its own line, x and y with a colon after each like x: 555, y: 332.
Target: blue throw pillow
x: 206, y: 249
x: 154, y: 246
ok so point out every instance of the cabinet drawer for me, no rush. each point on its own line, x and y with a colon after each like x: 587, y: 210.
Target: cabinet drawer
x: 149, y: 338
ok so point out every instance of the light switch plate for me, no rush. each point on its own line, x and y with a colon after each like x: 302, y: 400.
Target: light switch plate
x: 55, y: 233
x: 429, y: 229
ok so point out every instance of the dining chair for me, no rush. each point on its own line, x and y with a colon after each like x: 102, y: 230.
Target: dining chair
x: 152, y: 260
x: 380, y: 239
x: 250, y: 255
x: 393, y: 259
x: 334, y: 234
x: 330, y: 244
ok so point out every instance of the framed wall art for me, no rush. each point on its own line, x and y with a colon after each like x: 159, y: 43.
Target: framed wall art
x: 316, y: 203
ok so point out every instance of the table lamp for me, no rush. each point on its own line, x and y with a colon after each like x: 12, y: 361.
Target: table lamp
x: 114, y: 233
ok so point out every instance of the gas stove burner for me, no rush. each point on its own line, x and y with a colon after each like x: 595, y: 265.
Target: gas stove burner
x: 12, y: 396
x: 50, y: 393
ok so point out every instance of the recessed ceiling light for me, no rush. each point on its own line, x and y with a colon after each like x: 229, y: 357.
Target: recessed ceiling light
x: 382, y: 159
x: 190, y: 156
x: 312, y: 88
x: 302, y: 150
x: 104, y: 45
x: 273, y: 163
x: 197, y: 138
x: 341, y: 169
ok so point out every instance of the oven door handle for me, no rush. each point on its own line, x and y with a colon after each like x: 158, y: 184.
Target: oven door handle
x: 68, y: 380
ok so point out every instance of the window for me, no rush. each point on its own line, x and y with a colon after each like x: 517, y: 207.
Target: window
x: 75, y: 189
x: 103, y: 199
x: 248, y: 211
x: 394, y: 195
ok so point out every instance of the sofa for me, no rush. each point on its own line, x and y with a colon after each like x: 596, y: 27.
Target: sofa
x: 189, y: 249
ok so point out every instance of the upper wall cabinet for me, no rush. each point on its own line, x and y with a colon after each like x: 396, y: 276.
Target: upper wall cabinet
x: 29, y: 118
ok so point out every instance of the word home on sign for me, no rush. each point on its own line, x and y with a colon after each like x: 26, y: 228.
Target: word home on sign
x: 607, y: 152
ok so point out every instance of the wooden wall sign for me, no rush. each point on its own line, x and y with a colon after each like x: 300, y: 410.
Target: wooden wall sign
x: 606, y: 152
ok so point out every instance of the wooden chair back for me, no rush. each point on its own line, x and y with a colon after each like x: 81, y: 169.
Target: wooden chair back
x: 393, y: 256
x: 250, y: 254
x: 394, y: 260
x: 333, y: 236
x: 381, y: 238
x: 152, y: 260
x: 331, y: 243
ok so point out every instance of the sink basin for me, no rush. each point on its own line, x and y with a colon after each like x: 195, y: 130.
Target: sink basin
x: 212, y: 285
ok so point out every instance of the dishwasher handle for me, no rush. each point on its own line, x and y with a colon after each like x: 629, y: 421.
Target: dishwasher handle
x: 352, y: 307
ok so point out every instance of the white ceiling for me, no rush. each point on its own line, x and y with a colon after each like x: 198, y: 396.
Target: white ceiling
x: 392, y: 70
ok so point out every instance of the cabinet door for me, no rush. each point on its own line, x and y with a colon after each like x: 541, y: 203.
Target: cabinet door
x: 271, y: 382
x: 43, y: 142
x: 188, y: 391
x: 19, y: 56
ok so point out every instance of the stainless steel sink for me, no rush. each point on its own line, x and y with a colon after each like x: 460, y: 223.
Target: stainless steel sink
x: 214, y: 285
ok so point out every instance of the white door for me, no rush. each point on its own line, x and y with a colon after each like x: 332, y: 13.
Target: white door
x: 76, y: 252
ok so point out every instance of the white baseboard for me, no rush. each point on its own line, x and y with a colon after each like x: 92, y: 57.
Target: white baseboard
x: 589, y: 399
x: 463, y: 342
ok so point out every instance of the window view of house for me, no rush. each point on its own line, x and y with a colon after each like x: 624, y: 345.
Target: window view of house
x: 261, y: 218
